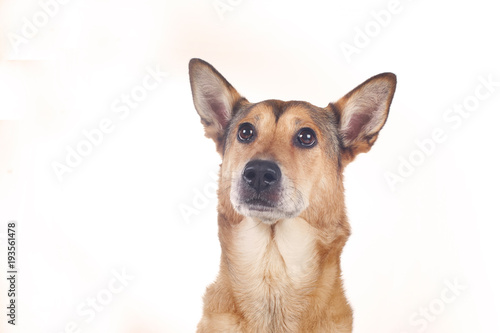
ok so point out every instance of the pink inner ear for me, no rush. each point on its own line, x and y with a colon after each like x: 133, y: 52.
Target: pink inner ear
x: 219, y: 111
x: 356, y: 124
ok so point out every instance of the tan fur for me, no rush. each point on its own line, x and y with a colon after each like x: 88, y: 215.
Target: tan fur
x: 285, y: 276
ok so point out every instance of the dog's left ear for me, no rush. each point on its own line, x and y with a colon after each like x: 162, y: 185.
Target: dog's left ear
x: 214, y: 99
x: 363, y: 112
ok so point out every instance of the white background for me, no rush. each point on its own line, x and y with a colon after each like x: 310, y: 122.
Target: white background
x: 120, y: 208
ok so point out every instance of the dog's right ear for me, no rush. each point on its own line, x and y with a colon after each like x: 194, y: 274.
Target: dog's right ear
x: 214, y: 99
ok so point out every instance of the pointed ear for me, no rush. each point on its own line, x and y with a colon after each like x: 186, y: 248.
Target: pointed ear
x: 362, y: 113
x: 214, y: 99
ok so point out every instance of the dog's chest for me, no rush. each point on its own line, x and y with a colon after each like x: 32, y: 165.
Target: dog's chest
x: 274, y: 269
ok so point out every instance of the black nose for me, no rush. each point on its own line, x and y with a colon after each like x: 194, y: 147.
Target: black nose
x: 261, y: 174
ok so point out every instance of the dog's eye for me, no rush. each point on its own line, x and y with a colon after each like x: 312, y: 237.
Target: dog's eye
x: 246, y: 132
x: 306, y: 138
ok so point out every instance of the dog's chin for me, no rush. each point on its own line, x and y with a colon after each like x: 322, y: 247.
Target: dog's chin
x: 264, y: 212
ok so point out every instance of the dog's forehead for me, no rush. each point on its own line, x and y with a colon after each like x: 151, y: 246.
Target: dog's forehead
x: 276, y: 110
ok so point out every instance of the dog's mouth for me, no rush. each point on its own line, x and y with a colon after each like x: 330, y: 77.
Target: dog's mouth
x: 270, y: 204
x: 258, y: 207
x: 267, y: 207
x: 264, y: 205
x: 259, y: 204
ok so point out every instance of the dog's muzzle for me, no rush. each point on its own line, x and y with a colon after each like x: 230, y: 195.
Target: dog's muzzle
x: 262, y: 191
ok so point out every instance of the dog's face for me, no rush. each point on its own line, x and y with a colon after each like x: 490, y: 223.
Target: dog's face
x: 275, y: 153
x: 279, y: 157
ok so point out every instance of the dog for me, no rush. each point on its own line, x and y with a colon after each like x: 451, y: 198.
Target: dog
x: 281, y: 212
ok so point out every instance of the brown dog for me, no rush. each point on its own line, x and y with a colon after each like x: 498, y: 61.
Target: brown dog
x: 282, y: 220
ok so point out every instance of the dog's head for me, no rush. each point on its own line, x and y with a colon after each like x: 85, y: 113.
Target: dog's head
x: 285, y: 159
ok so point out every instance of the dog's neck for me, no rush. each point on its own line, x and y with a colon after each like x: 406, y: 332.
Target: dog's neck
x: 275, y: 269
x: 285, y: 249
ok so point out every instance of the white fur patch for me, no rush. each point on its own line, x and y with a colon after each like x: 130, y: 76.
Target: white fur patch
x: 290, y: 253
x: 296, y: 240
x: 274, y: 271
